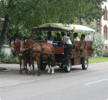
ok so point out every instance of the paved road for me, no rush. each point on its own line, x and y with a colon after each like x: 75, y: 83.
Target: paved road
x: 77, y: 85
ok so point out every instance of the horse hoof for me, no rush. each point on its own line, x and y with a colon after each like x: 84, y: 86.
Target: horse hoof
x: 53, y: 72
x: 48, y: 71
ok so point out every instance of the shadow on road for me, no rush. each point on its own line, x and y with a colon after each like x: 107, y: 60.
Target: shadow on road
x: 14, y: 70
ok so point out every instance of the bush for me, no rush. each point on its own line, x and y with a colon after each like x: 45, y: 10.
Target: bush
x: 98, y: 44
x: 8, y: 59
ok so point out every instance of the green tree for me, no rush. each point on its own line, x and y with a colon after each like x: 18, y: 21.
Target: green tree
x: 21, y: 15
x: 98, y: 44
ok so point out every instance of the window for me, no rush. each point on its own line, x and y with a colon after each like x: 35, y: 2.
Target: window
x: 106, y: 14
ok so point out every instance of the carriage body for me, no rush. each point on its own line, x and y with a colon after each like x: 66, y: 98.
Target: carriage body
x: 80, y: 53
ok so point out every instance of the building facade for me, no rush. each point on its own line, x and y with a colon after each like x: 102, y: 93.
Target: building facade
x: 104, y: 24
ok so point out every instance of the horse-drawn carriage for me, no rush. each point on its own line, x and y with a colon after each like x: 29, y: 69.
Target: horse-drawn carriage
x: 80, y: 53
x: 45, y: 54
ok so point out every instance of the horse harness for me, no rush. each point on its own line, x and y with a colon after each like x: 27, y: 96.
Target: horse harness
x: 45, y: 54
x: 38, y: 51
x: 17, y: 49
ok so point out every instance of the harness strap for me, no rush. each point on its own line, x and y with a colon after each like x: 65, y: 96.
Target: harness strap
x: 35, y: 51
x: 45, y: 54
x: 42, y: 53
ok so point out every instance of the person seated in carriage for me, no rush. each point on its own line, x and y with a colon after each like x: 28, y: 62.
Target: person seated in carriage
x: 82, y: 37
x: 49, y: 38
x: 58, y: 40
x: 75, y: 37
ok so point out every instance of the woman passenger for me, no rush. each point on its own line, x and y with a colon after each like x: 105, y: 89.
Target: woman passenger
x: 83, y: 37
x: 75, y: 37
x: 58, y: 40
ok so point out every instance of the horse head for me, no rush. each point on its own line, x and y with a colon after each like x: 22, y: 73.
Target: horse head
x: 26, y: 44
x: 23, y: 45
x: 15, y: 45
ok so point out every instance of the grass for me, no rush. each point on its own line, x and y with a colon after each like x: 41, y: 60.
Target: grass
x: 98, y: 59
x: 2, y: 69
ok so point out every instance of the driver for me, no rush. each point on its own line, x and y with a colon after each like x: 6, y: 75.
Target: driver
x: 68, y: 47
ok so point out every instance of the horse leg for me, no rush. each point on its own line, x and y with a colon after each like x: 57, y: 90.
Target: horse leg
x: 31, y: 62
x: 49, y: 65
x: 20, y: 71
x: 33, y: 69
x: 49, y: 68
x: 20, y: 67
x: 52, y: 65
x: 25, y: 66
x: 29, y: 68
x: 38, y: 65
x: 52, y: 70
x: 28, y: 60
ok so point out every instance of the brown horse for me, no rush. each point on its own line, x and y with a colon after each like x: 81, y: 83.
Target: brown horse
x: 23, y: 59
x: 39, y: 53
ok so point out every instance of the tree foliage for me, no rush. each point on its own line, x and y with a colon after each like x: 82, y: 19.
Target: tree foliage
x: 98, y: 44
x: 24, y: 14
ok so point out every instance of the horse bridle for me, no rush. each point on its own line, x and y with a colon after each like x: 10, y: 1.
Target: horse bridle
x: 15, y: 46
x: 24, y: 46
x: 24, y: 40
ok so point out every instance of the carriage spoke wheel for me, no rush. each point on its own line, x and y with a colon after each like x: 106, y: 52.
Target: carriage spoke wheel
x: 85, y: 64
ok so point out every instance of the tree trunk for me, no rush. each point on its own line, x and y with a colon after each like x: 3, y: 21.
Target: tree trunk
x: 5, y: 26
x: 4, y: 31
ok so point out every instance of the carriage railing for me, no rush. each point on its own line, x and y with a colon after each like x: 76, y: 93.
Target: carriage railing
x: 79, y: 48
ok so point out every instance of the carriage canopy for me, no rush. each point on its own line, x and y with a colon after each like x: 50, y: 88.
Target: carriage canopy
x: 81, y: 28
x: 64, y: 27
x: 52, y: 27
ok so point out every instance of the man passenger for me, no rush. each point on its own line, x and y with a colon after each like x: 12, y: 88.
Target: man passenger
x: 49, y: 38
x: 58, y: 39
x: 67, y: 47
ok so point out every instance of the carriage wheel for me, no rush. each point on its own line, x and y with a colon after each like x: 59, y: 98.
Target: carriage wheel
x: 85, y: 64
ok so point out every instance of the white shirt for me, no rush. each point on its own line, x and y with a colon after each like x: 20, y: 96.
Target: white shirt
x: 67, y: 39
x: 77, y: 38
x: 49, y: 42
